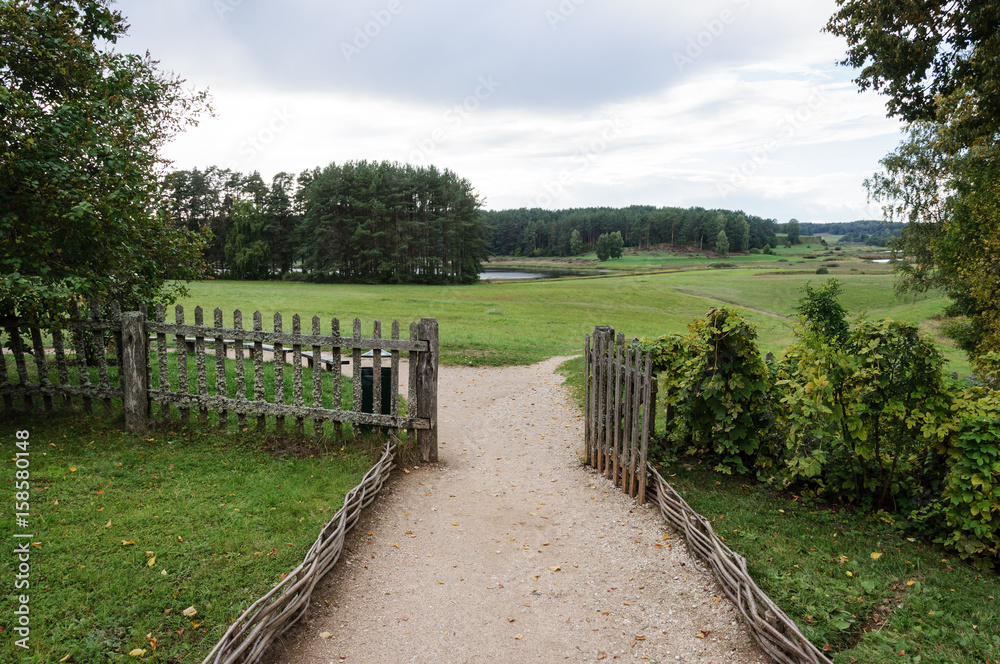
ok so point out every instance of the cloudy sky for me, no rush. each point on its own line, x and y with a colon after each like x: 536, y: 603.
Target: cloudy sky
x: 733, y: 104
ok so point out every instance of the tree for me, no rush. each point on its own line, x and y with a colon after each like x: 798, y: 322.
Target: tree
x: 938, y: 62
x: 722, y: 244
x: 821, y: 309
x: 81, y: 127
x: 246, y: 247
x: 616, y: 245
x: 575, y: 243
x: 919, y: 54
x: 603, y: 247
x: 792, y: 230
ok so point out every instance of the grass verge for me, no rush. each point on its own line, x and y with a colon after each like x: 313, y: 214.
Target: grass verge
x: 857, y: 586
x: 132, y: 530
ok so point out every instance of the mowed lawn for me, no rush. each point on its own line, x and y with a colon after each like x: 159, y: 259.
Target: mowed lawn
x: 503, y: 323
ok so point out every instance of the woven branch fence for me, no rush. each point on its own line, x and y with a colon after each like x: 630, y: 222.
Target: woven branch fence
x: 778, y: 635
x: 620, y: 413
x: 249, y: 637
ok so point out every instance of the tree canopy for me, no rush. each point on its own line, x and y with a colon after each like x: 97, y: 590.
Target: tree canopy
x: 371, y: 222
x: 939, y: 62
x: 81, y: 127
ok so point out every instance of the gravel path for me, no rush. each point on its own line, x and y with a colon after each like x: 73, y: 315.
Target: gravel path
x: 510, y: 550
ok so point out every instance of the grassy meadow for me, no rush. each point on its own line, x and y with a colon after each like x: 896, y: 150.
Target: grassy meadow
x: 132, y: 530
x: 501, y: 323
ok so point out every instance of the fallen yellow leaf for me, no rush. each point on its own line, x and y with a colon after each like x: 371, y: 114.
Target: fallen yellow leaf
x: 555, y: 569
x: 519, y: 637
x: 910, y: 582
x: 108, y: 524
x: 72, y: 469
x: 138, y: 652
x: 66, y: 658
x: 128, y: 542
x: 190, y: 611
x: 325, y: 635
x: 876, y: 555
x: 151, y: 562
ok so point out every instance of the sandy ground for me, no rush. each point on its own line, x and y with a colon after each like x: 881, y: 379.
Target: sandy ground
x: 511, y: 550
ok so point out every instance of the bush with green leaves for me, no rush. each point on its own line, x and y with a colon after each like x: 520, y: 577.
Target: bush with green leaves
x: 861, y: 416
x: 717, y: 391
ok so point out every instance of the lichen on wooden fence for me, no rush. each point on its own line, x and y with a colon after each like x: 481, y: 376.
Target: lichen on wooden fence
x: 89, y: 337
x: 619, y: 405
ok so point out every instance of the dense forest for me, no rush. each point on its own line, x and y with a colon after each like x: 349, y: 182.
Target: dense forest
x: 382, y: 222
x: 538, y: 232
x: 364, y: 222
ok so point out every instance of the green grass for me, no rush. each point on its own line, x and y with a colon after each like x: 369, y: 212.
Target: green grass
x: 520, y: 323
x: 224, y: 514
x: 486, y: 324
x: 915, y: 603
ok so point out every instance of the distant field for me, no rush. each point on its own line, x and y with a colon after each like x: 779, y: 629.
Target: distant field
x: 518, y: 323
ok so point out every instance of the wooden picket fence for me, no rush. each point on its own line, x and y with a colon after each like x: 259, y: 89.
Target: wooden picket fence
x: 132, y: 377
x: 70, y: 378
x: 620, y: 412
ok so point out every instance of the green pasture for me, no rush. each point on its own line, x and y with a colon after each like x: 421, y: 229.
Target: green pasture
x: 131, y: 530
x: 503, y: 323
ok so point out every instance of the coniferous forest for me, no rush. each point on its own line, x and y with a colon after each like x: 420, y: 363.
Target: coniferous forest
x: 383, y: 222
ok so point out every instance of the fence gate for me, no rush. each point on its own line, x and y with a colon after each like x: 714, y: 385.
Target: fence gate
x: 258, y: 359
x: 620, y: 408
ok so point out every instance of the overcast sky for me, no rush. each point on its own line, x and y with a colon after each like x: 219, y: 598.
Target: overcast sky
x: 733, y: 104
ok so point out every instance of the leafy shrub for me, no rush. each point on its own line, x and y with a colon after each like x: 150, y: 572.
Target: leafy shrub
x: 971, y: 495
x: 837, y: 248
x: 755, y: 250
x: 717, y: 391
x: 862, y: 415
x: 822, y: 270
x: 767, y: 250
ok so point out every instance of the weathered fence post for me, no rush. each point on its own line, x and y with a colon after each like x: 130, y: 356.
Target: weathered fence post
x: 134, y: 361
x: 427, y: 382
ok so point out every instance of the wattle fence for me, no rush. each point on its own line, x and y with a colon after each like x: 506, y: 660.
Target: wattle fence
x: 620, y: 416
x: 81, y: 343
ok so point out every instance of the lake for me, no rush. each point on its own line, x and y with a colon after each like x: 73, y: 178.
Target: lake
x: 513, y: 273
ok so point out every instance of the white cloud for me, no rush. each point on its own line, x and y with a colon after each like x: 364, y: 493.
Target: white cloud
x: 520, y: 104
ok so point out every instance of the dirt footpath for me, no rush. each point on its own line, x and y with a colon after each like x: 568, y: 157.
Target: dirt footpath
x: 510, y: 550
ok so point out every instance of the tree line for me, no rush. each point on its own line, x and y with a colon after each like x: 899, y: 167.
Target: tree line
x: 538, y: 232
x: 361, y: 222
x: 873, y: 232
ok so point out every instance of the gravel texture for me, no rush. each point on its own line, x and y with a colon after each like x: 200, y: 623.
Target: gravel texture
x: 511, y: 550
